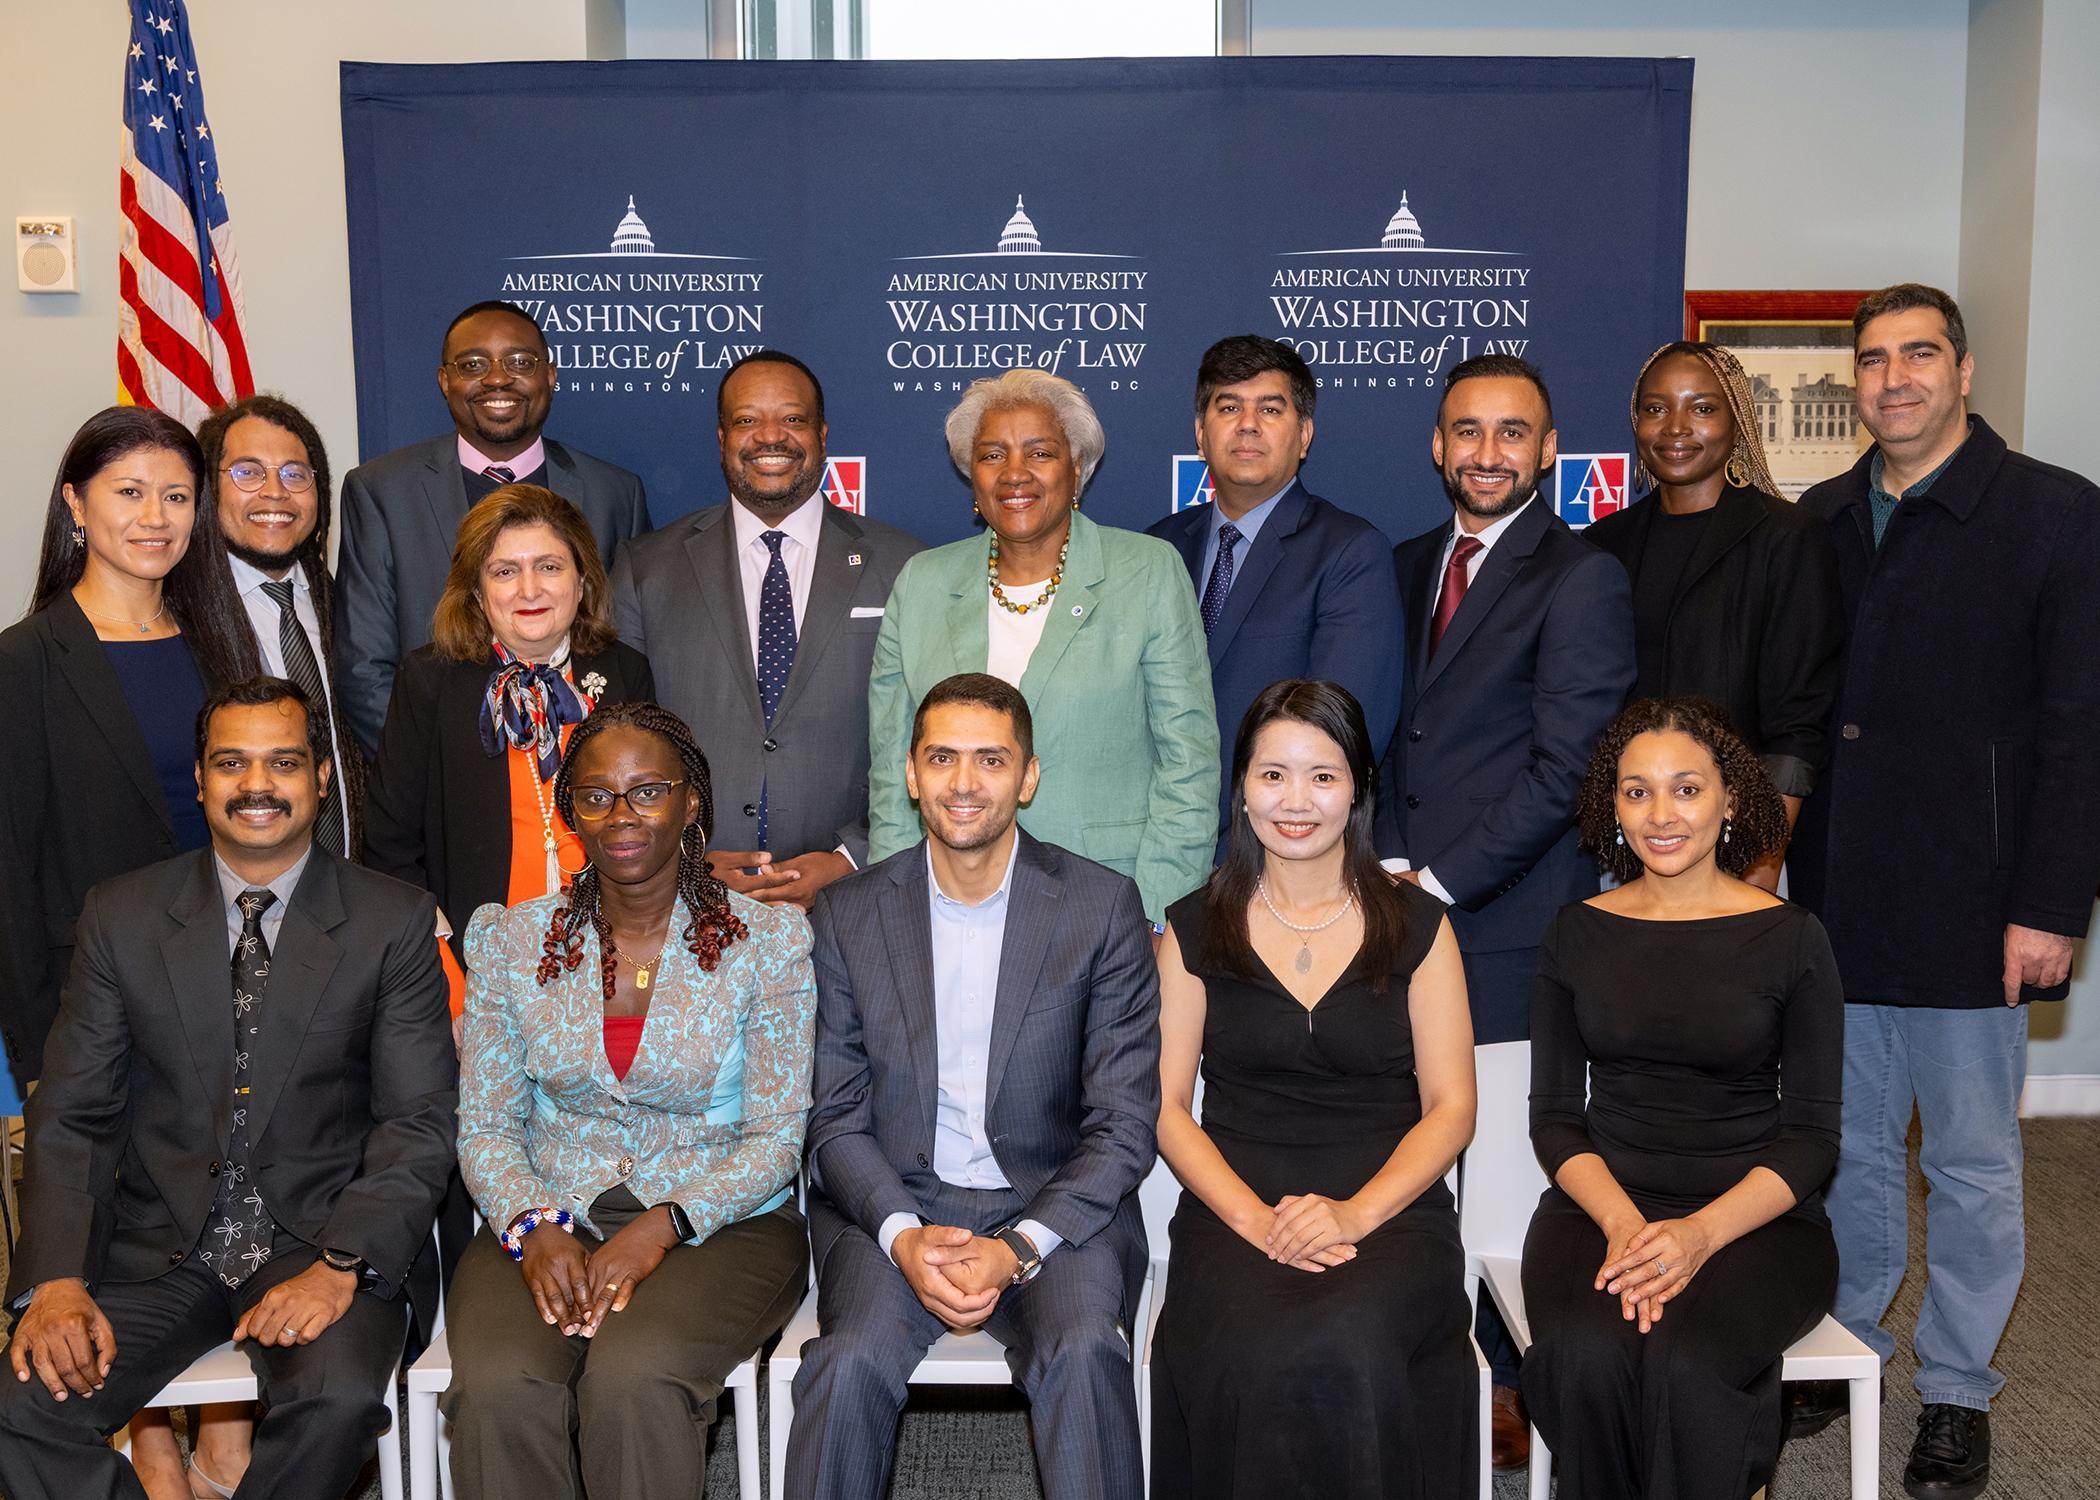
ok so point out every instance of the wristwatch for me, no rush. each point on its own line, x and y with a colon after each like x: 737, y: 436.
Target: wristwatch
x: 680, y: 1224
x: 344, y: 1260
x: 1030, y: 1261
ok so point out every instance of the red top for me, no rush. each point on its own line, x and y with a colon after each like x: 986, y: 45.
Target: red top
x: 623, y: 1038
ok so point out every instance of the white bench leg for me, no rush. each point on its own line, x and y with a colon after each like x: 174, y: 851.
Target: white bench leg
x: 1865, y: 1395
x: 1541, y: 1478
x: 780, y: 1417
x: 747, y: 1441
x: 423, y: 1420
x: 390, y: 1441
x: 1487, y: 1423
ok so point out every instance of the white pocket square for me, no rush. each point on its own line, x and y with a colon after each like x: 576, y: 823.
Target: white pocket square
x: 867, y: 612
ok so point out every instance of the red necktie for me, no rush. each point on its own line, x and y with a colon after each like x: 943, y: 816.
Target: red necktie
x: 1454, y: 589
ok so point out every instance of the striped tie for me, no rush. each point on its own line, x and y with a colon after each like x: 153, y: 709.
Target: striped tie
x: 302, y: 668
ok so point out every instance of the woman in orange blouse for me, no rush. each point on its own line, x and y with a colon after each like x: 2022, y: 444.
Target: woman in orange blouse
x: 461, y: 796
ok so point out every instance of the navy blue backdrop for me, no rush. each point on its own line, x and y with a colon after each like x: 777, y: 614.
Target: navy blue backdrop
x: 908, y: 227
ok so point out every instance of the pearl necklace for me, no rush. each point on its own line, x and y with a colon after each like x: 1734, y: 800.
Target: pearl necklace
x: 1303, y: 963
x: 1057, y: 576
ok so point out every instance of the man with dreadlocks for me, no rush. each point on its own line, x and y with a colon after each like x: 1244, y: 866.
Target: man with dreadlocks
x: 1735, y: 592
x: 636, y: 1070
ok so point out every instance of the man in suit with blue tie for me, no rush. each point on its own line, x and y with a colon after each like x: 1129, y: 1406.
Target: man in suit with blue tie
x: 1290, y: 585
x: 401, y: 511
x: 986, y: 1087
x: 1519, y: 653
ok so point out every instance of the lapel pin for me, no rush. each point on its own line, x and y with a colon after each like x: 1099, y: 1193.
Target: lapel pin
x: 852, y: 559
x: 1078, y: 610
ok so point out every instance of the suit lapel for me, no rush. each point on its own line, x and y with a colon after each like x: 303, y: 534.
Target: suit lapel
x: 480, y: 797
x: 1031, y: 916
x: 1420, y: 584
x: 1736, y: 514
x: 833, y: 582
x: 1502, y: 564
x: 301, y: 963
x: 94, y: 681
x: 1263, y: 554
x: 1189, y: 532
x: 712, y: 550
x: 198, y: 957
x: 1069, y: 611
x: 969, y: 634
x: 445, y: 489
x: 908, y: 930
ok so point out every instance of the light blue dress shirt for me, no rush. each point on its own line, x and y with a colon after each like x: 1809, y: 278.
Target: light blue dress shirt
x: 967, y: 941
x: 1249, y: 526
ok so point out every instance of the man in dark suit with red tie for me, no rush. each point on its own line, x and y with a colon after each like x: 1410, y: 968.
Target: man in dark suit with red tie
x: 1520, y: 651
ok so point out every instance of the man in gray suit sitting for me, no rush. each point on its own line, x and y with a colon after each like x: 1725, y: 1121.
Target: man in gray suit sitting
x: 987, y: 1083
x: 401, y: 511
x: 759, y: 620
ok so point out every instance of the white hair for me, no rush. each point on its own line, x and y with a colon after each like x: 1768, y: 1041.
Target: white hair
x: 1074, y: 414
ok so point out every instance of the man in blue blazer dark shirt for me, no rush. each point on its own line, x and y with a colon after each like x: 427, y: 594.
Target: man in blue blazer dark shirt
x: 1299, y: 588
x: 1519, y: 653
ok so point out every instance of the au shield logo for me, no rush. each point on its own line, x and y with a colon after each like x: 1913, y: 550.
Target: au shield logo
x: 1192, y: 486
x: 846, y: 484
x: 1589, y: 486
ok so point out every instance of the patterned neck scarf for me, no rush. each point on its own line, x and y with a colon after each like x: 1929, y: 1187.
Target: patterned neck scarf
x: 526, y: 704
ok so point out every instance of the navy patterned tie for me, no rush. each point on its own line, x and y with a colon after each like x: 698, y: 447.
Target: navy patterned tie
x: 501, y: 473
x: 776, y: 644
x: 1220, y: 584
x: 237, y: 1235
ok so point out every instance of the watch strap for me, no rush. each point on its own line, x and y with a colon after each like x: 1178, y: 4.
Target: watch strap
x: 1025, y: 1253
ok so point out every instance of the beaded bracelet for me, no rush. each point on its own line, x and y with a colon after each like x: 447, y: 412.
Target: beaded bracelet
x: 513, y: 1238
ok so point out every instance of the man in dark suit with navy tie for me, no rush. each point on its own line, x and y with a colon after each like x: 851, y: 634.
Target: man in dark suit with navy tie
x: 245, y: 1123
x: 1290, y: 586
x: 401, y: 511
x: 1519, y: 653
x: 985, y: 1094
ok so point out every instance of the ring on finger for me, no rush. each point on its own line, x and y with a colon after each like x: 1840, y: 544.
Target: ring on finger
x: 1660, y: 1268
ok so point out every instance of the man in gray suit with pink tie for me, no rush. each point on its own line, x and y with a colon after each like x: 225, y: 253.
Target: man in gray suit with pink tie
x: 987, y: 1084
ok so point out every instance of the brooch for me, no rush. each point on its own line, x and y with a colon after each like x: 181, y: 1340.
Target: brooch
x: 593, y: 686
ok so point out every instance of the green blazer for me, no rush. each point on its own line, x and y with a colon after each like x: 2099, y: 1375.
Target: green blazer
x: 1119, y: 688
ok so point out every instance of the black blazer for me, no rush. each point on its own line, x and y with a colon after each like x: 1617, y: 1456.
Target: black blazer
x: 356, y: 1086
x: 1757, y: 625
x: 1963, y: 791
x: 437, y: 806
x: 80, y: 801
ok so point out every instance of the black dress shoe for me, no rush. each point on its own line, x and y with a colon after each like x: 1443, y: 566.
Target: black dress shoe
x: 1951, y: 1459
x: 1812, y: 1405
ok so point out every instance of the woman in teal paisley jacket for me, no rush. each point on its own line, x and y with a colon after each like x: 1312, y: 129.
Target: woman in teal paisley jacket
x: 632, y: 1097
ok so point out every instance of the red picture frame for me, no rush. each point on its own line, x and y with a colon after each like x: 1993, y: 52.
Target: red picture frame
x: 1701, y: 308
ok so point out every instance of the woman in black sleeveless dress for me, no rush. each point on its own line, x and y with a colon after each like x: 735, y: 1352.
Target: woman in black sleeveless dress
x: 1313, y: 1339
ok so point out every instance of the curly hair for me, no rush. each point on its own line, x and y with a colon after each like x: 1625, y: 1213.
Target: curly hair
x: 713, y: 926
x: 1755, y: 830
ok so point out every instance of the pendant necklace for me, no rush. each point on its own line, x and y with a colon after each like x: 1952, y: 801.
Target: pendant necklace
x: 142, y: 626
x: 641, y: 971
x: 548, y: 840
x: 1303, y: 963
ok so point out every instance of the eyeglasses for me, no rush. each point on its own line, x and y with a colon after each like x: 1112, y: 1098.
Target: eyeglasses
x: 518, y: 362
x: 650, y: 799
x: 248, y: 476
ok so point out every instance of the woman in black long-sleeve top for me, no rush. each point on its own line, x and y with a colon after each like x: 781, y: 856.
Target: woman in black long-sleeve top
x: 133, y: 620
x: 1735, y: 592
x: 1687, y: 1036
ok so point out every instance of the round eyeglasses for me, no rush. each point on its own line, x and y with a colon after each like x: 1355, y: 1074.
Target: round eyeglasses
x: 248, y: 476
x: 649, y: 799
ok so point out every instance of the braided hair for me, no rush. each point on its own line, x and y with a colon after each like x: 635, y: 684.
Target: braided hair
x: 713, y: 926
x: 1747, y: 468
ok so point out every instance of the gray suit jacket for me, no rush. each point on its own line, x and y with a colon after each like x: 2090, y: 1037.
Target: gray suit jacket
x: 1072, y: 1094
x: 401, y: 515
x: 678, y: 599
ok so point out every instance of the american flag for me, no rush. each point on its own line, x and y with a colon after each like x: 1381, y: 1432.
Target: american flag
x: 179, y: 342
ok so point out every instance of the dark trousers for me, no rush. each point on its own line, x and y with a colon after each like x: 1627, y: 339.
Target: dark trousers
x: 1064, y: 1343
x: 323, y: 1402
x: 623, y: 1415
x: 1689, y: 1410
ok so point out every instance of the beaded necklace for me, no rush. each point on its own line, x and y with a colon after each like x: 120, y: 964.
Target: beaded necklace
x: 1057, y: 576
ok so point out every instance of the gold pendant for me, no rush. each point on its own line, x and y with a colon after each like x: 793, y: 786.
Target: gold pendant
x: 641, y: 977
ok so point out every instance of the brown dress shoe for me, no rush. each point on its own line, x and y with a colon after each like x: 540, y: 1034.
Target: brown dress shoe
x: 1512, y: 1430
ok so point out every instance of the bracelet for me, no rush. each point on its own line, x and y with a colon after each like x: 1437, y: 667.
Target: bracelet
x: 513, y: 1238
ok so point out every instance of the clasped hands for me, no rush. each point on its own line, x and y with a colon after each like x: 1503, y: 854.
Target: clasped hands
x: 1648, y: 1264
x: 1308, y: 1231
x: 792, y: 882
x: 956, y: 1275
x: 66, y: 1342
x: 575, y: 1287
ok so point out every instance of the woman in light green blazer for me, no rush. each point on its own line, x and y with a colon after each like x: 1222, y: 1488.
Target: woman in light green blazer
x: 1096, y: 626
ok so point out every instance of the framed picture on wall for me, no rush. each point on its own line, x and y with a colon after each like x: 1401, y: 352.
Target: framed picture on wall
x: 1797, y: 349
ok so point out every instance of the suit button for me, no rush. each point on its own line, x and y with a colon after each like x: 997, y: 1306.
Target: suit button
x: 771, y: 743
x: 1850, y: 731
x: 1414, y: 736
x: 750, y: 809
x: 174, y: 1257
x: 922, y: 1159
x: 212, y: 1170
x: 1413, y: 801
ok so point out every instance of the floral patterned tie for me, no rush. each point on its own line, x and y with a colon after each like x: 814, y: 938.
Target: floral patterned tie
x: 237, y: 1236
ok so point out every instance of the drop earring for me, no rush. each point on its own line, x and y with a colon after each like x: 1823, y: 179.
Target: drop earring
x: 79, y: 535
x: 1620, y: 838
x: 1727, y: 830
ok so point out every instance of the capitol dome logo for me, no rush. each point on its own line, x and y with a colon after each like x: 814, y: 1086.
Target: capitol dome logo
x: 1403, y: 235
x: 1019, y: 237
x: 631, y: 240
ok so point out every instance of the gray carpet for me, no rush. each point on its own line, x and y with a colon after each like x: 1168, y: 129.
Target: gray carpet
x: 961, y: 1444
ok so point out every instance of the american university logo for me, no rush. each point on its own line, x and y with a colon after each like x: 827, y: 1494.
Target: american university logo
x: 1192, y: 486
x: 846, y: 484
x: 1016, y: 307
x: 1589, y: 486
